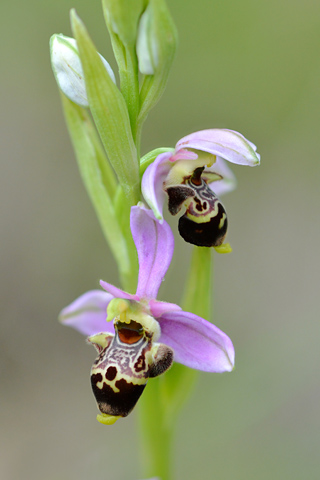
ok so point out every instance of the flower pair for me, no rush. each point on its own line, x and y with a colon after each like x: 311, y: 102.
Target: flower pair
x: 145, y: 334
x: 142, y: 336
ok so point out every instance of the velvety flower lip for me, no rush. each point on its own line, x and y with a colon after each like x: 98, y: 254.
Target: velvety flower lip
x: 196, y: 342
x: 222, y: 144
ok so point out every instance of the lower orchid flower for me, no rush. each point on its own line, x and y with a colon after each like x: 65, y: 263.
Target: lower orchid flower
x: 146, y: 334
x: 192, y: 176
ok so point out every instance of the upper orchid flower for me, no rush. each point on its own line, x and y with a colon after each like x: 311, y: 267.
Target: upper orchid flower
x: 129, y: 352
x: 192, y: 176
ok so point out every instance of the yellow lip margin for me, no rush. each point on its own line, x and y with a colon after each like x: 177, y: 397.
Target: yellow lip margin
x: 106, y: 419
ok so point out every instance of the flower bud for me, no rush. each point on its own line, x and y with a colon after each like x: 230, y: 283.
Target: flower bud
x: 67, y: 68
x: 157, y: 39
x: 122, y: 17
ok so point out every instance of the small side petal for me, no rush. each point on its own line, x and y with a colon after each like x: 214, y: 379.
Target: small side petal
x: 184, y: 155
x: 158, y: 308
x: 197, y: 343
x: 228, y: 182
x: 154, y: 242
x: 117, y: 292
x: 227, y: 144
x: 152, y: 183
x: 88, y: 313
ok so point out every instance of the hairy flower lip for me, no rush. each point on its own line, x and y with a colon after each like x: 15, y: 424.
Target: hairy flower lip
x: 196, y: 342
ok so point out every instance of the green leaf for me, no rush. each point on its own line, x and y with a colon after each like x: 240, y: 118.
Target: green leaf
x: 100, y: 184
x: 109, y: 112
x: 122, y: 17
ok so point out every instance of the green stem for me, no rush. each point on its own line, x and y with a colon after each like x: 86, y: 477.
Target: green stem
x: 122, y: 210
x: 163, y: 397
x: 155, y: 433
x: 198, y: 291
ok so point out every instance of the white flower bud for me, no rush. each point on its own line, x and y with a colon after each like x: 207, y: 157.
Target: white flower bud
x: 147, y: 50
x: 122, y: 18
x: 67, y: 68
x: 157, y: 39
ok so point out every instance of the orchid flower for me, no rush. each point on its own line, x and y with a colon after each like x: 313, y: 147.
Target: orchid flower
x: 146, y: 334
x: 192, y: 175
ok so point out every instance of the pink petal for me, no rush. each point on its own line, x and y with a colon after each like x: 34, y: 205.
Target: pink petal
x: 158, y: 308
x: 152, y: 183
x: 88, y: 313
x: 154, y: 243
x: 227, y: 144
x: 228, y: 183
x: 117, y: 292
x: 197, y: 343
x: 183, y: 155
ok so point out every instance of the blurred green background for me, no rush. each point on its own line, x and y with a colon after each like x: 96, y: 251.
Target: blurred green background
x: 251, y: 66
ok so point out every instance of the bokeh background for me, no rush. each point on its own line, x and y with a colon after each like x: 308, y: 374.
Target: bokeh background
x: 251, y: 66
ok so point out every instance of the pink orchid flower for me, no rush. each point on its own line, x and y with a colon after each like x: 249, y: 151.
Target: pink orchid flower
x: 146, y: 334
x: 193, y: 176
